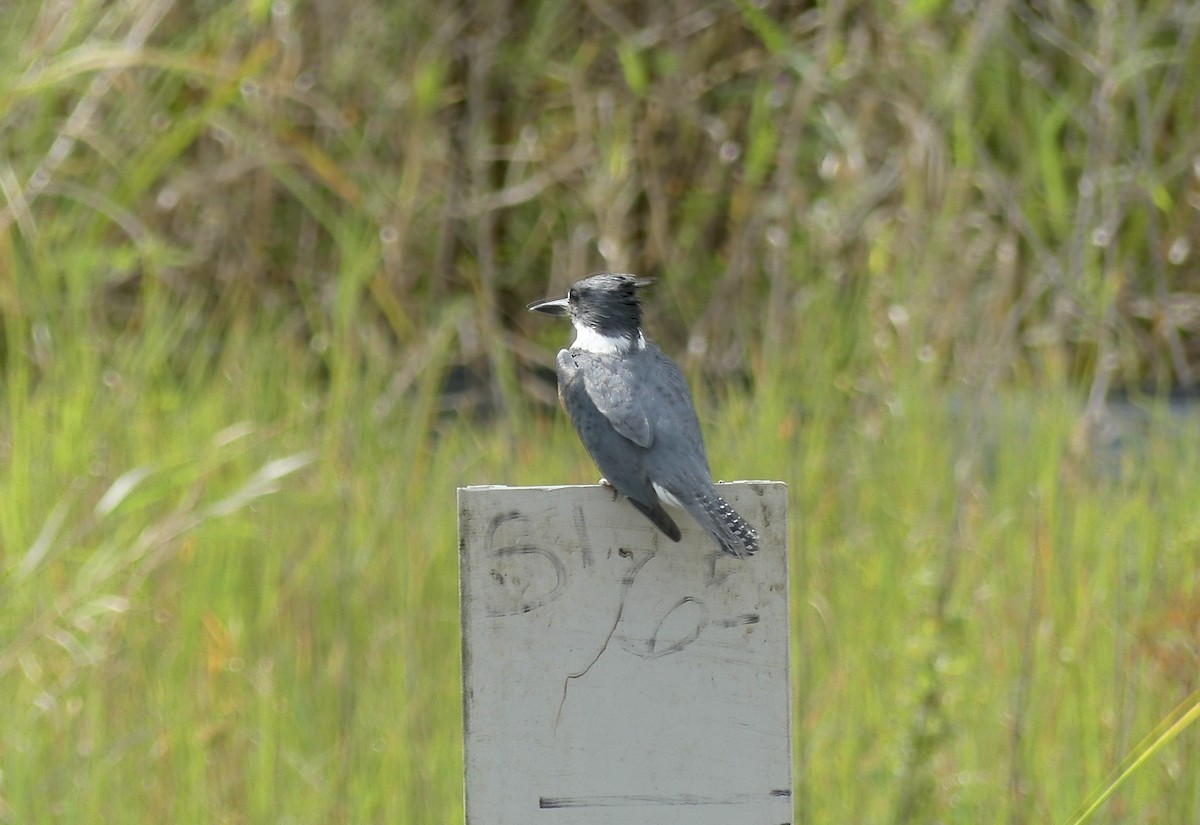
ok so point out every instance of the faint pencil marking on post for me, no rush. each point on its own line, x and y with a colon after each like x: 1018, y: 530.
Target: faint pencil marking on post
x: 626, y: 584
x: 585, y: 546
x: 521, y: 605
x: 738, y: 621
x: 711, y: 576
x: 499, y: 520
x: 527, y: 605
x: 649, y: 647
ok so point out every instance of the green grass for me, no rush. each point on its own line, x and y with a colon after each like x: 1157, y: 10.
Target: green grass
x: 984, y: 622
x: 898, y: 250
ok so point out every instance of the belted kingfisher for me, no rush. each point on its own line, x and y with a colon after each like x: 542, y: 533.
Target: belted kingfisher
x: 633, y: 411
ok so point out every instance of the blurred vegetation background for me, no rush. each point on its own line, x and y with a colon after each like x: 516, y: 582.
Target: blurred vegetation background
x: 263, y: 269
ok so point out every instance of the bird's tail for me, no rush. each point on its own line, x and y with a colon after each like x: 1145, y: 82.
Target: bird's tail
x: 732, y: 532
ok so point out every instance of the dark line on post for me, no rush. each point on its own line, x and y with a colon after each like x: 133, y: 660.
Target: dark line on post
x: 645, y: 800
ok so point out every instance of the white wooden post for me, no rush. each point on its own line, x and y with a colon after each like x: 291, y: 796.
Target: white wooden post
x: 613, y: 676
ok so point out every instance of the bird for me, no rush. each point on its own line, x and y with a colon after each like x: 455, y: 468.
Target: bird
x: 633, y: 411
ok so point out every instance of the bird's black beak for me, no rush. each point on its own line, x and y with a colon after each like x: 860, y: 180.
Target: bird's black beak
x: 553, y: 306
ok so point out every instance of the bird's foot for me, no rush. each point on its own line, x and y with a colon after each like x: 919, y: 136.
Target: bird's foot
x: 604, y: 482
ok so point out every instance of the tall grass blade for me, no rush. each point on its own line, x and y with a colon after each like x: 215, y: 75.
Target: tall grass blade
x: 1174, y: 724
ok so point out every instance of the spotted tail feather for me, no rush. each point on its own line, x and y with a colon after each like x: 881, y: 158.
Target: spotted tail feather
x: 732, y: 532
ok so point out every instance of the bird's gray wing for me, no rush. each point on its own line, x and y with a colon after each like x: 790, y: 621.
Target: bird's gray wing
x: 611, y: 384
x: 680, y: 465
x: 614, y: 428
x: 676, y: 410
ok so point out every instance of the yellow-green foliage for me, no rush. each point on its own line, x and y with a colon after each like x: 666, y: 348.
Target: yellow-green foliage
x: 246, y: 249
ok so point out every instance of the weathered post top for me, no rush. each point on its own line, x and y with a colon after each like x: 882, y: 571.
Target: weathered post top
x: 613, y: 676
